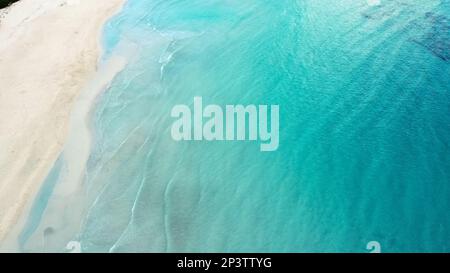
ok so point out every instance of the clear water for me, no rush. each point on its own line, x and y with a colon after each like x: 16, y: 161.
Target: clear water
x: 364, y: 95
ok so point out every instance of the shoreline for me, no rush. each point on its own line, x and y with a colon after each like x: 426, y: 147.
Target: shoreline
x: 50, y: 51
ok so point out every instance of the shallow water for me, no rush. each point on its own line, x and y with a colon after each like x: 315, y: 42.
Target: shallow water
x: 364, y: 95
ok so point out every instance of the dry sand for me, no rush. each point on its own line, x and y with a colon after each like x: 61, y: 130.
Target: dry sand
x: 48, y: 50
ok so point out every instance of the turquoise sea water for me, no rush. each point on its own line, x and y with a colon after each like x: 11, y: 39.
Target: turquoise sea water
x: 364, y: 95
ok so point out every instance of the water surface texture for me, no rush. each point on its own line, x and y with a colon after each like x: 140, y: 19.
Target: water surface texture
x: 364, y: 96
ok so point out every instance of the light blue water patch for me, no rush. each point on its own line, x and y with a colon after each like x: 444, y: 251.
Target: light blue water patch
x: 364, y: 98
x: 40, y: 203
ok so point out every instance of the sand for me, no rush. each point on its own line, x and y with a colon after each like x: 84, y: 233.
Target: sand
x: 48, y: 51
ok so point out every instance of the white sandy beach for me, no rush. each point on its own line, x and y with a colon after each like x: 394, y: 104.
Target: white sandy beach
x: 48, y: 50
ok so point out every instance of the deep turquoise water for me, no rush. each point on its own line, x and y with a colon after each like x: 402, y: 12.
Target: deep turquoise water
x: 364, y: 95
